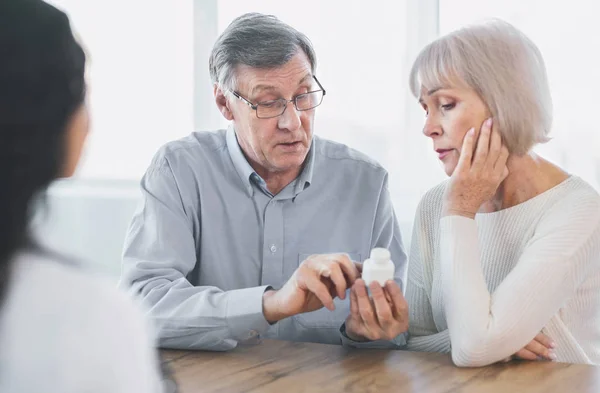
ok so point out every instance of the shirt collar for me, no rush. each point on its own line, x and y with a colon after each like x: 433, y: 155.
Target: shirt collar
x: 240, y: 163
x: 246, y: 172
x: 305, y: 178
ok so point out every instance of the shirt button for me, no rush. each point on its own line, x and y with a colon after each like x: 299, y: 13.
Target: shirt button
x: 253, y: 333
x: 273, y: 248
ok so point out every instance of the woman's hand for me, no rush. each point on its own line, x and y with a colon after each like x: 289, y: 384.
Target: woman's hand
x: 380, y: 317
x: 479, y: 172
x: 541, y: 347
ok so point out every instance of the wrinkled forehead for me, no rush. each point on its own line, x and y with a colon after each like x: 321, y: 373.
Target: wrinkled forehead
x: 297, y: 72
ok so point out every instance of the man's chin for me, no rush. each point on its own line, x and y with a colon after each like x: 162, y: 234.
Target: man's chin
x: 290, y: 162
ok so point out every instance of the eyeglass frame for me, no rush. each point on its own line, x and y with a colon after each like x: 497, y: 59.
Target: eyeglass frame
x: 255, y: 106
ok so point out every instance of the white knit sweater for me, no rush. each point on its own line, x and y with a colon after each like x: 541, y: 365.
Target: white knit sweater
x: 64, y: 331
x: 484, y: 288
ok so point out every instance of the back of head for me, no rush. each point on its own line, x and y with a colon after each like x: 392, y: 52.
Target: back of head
x: 257, y: 41
x: 504, y: 67
x: 42, y: 85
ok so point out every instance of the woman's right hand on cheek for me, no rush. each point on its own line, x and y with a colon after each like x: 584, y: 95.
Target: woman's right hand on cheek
x: 480, y: 170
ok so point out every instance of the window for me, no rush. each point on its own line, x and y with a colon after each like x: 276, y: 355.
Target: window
x: 140, y: 76
x: 566, y: 33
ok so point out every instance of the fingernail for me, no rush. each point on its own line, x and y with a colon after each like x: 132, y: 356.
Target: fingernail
x: 552, y: 344
x: 488, y: 122
x: 471, y: 131
x: 552, y: 356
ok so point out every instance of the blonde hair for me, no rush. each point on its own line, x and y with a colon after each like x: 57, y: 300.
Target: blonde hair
x: 504, y: 67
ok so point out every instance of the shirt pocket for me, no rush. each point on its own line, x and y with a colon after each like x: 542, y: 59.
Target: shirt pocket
x: 323, y: 318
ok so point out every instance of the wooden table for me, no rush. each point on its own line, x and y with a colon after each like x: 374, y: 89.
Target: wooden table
x: 287, y: 367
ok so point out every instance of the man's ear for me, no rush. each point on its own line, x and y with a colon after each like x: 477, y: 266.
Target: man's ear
x: 222, y: 102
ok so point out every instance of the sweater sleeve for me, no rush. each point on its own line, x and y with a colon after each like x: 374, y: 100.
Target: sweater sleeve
x: 423, y: 333
x: 485, y: 328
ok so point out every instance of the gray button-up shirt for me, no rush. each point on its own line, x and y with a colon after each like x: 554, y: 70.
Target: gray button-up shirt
x: 209, y: 238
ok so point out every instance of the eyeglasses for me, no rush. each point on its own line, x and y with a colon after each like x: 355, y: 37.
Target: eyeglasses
x: 275, y: 108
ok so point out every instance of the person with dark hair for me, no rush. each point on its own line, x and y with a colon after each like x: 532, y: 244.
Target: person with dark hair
x: 253, y: 231
x: 60, y: 330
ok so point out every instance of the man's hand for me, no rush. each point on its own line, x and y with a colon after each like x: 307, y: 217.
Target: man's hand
x: 316, y: 282
x: 382, y: 317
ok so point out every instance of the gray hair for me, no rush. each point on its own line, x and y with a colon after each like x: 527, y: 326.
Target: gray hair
x: 258, y: 41
x: 504, y: 67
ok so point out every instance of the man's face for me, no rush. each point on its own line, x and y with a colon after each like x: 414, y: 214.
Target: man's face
x: 279, y: 144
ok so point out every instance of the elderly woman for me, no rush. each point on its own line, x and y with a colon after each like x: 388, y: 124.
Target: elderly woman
x: 509, y: 246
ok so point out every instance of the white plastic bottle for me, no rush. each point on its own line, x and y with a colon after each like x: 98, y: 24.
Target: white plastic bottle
x: 379, y: 267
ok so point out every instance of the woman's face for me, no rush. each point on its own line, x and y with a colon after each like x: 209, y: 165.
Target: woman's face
x: 77, y: 132
x: 451, y: 112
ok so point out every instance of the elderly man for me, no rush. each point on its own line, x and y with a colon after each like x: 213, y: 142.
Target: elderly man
x: 255, y: 230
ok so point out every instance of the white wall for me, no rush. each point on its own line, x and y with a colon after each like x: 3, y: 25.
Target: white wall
x: 140, y: 74
x: 88, y: 220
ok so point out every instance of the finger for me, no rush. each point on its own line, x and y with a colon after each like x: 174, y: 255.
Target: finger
x: 318, y: 266
x: 500, y: 164
x: 466, y: 152
x: 354, y: 304
x: 359, y: 328
x: 388, y: 298
x: 483, y: 145
x: 348, y: 268
x: 315, y: 286
x: 359, y: 266
x: 545, y: 341
x: 382, y: 307
x: 538, y: 349
x: 495, y: 147
x: 398, y: 299
x: 542, y: 346
x: 364, y: 306
x: 526, y: 355
x: 338, y: 279
x: 330, y: 287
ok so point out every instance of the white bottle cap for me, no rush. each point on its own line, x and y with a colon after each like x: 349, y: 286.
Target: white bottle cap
x: 380, y: 254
